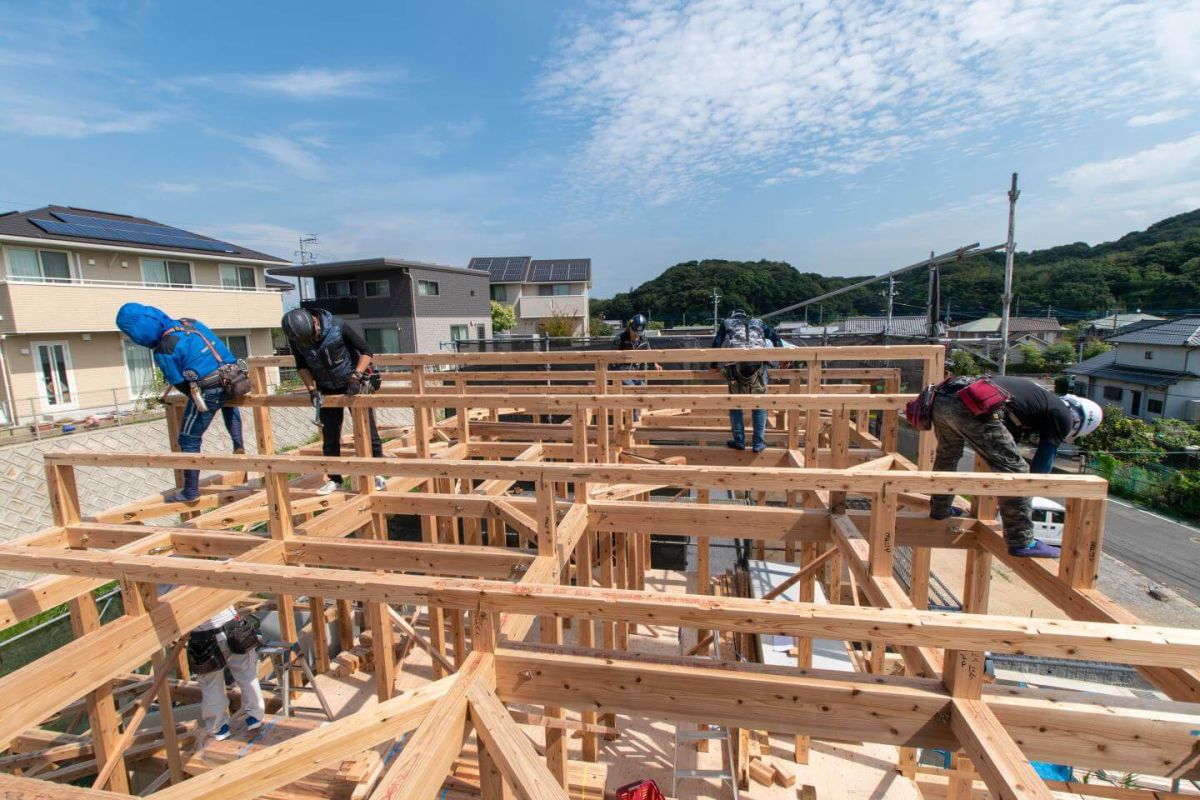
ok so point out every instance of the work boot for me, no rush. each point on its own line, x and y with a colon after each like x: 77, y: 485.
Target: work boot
x: 954, y: 511
x: 759, y: 447
x: 190, y: 491
x: 1035, y: 549
x: 239, y: 451
x: 734, y: 444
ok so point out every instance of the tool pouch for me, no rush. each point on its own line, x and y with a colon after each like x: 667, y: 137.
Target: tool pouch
x: 240, y: 635
x: 983, y: 397
x: 234, y: 379
x: 204, y: 653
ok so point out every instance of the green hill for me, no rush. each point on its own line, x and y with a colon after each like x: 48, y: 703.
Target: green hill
x: 1156, y: 270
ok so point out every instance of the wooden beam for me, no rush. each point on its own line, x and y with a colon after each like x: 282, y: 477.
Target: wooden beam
x: 1132, y: 644
x: 1056, y: 726
x: 1004, y: 769
x: 421, y: 768
x: 510, y: 747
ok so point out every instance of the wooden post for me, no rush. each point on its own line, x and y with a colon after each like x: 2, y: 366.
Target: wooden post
x: 603, y: 434
x: 551, y: 626
x: 320, y: 633
x: 147, y: 600
x: 883, y: 531
x: 85, y: 619
x: 264, y: 435
x: 1083, y: 537
x: 280, y: 526
x: 812, y: 422
x: 889, y: 433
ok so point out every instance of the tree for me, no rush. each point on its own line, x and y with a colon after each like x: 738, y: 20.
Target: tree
x: 656, y: 325
x: 503, y: 317
x: 1032, y: 359
x: 1093, y: 349
x: 598, y: 327
x: 558, y: 325
x: 962, y: 364
x: 1059, y: 355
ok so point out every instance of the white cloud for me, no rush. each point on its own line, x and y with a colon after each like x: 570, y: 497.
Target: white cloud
x: 33, y: 121
x: 172, y: 187
x: 317, y: 83
x: 290, y: 153
x: 1159, y: 165
x: 1157, y: 117
x: 673, y: 97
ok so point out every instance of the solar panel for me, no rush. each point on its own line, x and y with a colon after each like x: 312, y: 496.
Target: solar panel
x: 127, y: 231
x: 504, y: 269
x: 556, y: 270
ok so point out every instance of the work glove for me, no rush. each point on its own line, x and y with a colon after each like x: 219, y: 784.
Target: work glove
x: 354, y: 385
x: 314, y: 397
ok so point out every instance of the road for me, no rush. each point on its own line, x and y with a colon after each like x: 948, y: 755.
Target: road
x: 1163, y: 550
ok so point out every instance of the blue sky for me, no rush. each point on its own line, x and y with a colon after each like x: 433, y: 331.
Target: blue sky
x: 843, y: 137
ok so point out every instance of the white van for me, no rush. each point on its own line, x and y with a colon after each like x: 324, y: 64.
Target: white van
x: 1048, y: 517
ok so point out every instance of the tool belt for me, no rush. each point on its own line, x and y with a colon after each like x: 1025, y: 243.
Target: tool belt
x: 979, y: 395
x: 746, y: 378
x: 204, y: 646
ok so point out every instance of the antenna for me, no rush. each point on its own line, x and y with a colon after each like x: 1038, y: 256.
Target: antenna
x: 305, y: 254
x: 716, y: 298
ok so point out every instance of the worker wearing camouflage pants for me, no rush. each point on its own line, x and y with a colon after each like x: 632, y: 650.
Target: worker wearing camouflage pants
x: 955, y: 426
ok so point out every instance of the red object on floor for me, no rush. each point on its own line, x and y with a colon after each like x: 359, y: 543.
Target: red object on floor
x: 642, y: 790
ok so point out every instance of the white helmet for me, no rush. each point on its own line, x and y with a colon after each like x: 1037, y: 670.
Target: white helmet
x: 1086, y: 415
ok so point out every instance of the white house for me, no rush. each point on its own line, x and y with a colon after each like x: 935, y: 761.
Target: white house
x: 539, y: 289
x: 1150, y: 372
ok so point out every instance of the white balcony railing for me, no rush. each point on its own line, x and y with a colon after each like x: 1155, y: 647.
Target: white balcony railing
x: 203, y: 287
x: 538, y: 306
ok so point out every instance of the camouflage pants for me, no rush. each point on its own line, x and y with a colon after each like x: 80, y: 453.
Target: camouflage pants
x: 956, y: 426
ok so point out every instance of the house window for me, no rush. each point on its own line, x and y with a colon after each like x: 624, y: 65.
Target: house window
x: 156, y: 272
x: 376, y: 289
x: 337, y: 288
x: 460, y: 332
x: 428, y: 288
x: 238, y: 345
x: 1154, y: 406
x: 1149, y: 355
x: 480, y: 331
x: 1114, y: 393
x: 235, y: 277
x: 500, y: 293
x: 382, y: 340
x: 554, y: 289
x: 50, y: 266
x: 53, y: 363
x: 139, y: 368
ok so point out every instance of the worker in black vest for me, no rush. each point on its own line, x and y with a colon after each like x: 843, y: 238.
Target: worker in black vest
x: 332, y: 359
x: 633, y: 337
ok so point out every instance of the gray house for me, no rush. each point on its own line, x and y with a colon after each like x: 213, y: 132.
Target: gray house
x: 401, y: 306
x: 1150, y: 372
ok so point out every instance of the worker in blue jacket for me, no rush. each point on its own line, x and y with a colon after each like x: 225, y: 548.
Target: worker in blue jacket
x: 186, y: 352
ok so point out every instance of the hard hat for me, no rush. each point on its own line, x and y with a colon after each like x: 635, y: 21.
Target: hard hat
x: 1086, y: 416
x: 300, y: 326
x: 638, y: 323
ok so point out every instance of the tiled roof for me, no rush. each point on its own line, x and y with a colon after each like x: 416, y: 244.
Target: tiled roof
x: 1015, y: 325
x: 19, y: 223
x: 900, y: 326
x: 1104, y: 367
x: 1183, y: 332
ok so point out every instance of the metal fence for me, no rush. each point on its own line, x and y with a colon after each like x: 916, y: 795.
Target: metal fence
x: 1159, y: 485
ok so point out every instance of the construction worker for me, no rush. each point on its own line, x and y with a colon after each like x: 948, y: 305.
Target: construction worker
x: 1021, y: 407
x: 226, y: 640
x: 190, y: 357
x: 332, y: 359
x: 741, y: 331
x: 633, y: 338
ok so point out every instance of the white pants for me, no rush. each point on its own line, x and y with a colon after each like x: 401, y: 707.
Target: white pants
x: 214, y: 705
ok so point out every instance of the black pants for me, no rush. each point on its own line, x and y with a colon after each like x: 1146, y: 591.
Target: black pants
x: 331, y: 434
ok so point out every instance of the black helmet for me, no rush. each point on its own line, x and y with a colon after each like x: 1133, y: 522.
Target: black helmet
x: 638, y: 323
x: 299, y: 326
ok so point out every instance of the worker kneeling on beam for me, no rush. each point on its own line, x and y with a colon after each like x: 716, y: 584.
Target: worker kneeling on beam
x: 990, y: 414
x: 332, y: 359
x: 197, y: 363
x: 226, y: 640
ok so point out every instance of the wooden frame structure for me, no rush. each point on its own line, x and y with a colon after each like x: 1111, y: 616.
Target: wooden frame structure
x: 567, y: 477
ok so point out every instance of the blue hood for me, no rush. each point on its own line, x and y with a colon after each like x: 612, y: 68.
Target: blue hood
x: 145, y: 325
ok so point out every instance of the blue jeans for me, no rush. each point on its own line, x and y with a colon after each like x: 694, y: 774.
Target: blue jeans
x: 637, y: 415
x: 233, y: 424
x: 191, y: 434
x: 737, y: 424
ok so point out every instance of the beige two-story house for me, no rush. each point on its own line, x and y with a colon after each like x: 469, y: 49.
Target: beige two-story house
x: 540, y: 289
x: 65, y: 271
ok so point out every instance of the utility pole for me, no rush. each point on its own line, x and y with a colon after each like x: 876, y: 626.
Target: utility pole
x: 891, y: 294
x: 306, y: 256
x: 716, y: 298
x: 1010, y: 250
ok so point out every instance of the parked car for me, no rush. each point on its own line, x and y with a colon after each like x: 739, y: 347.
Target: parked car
x: 1048, y: 518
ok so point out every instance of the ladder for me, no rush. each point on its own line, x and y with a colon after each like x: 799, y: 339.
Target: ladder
x: 285, y: 656
x: 710, y: 732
